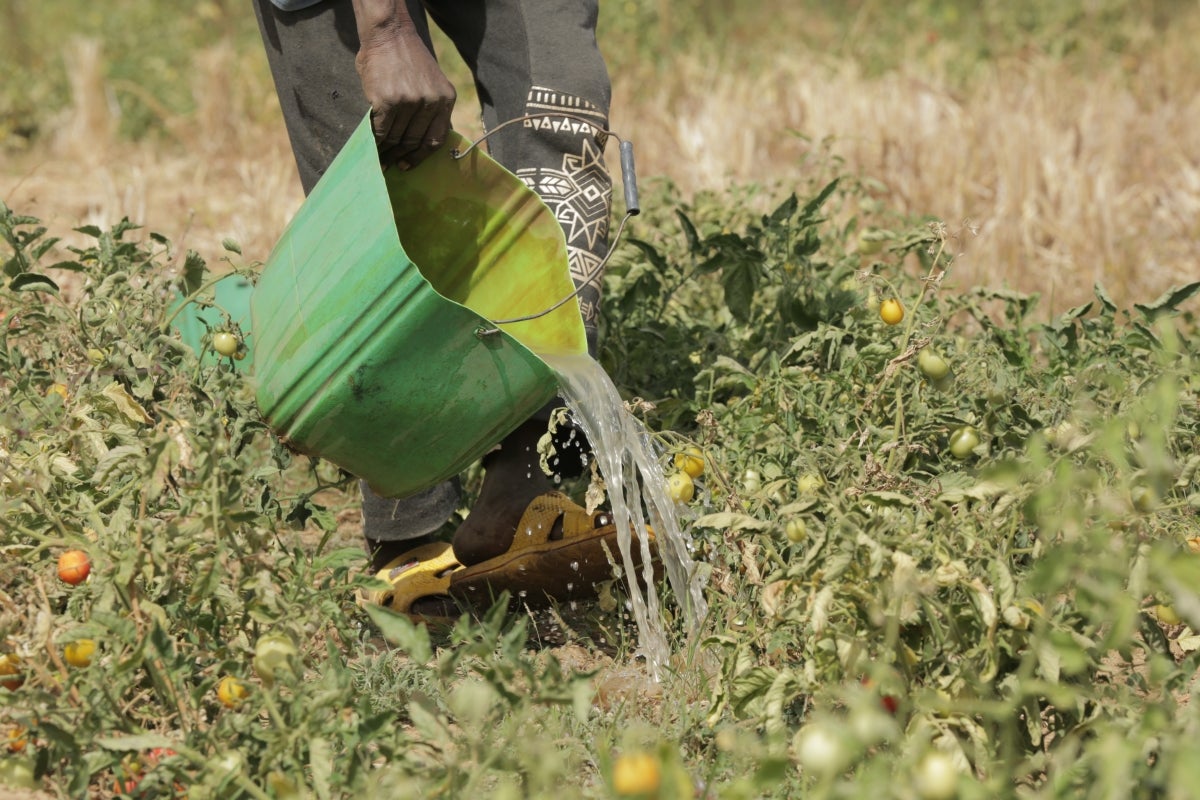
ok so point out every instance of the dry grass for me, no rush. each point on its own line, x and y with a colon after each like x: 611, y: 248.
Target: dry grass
x: 1069, y: 178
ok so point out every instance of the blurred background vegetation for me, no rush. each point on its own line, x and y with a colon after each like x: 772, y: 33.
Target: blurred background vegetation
x: 1062, y: 134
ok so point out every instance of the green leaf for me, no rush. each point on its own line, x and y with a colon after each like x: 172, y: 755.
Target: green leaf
x: 731, y: 521
x: 1169, y: 300
x: 1105, y: 300
x: 689, y: 232
x: 320, y: 760
x: 193, y: 272
x: 402, y: 632
x: 740, y: 280
x: 32, y: 282
x: 810, y: 208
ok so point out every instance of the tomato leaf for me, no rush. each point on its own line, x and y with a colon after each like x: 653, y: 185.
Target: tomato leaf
x: 728, y: 520
x: 402, y: 632
x: 32, y: 282
x: 740, y: 281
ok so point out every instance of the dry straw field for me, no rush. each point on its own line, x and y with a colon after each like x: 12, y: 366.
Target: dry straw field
x: 1071, y: 167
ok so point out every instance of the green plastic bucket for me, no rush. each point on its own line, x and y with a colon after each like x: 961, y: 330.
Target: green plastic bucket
x: 377, y: 355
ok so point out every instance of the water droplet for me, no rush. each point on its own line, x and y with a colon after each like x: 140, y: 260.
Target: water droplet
x: 528, y: 475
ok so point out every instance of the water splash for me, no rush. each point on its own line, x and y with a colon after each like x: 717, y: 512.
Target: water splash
x: 634, y: 480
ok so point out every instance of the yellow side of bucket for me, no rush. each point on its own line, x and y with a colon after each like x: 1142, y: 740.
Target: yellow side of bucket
x: 372, y: 316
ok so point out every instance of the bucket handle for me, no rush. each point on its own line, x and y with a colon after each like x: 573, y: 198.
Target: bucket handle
x: 628, y: 184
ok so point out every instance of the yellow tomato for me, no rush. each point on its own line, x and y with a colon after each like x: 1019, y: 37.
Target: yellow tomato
x: 79, y: 653
x: 231, y: 692
x: 636, y: 775
x: 680, y: 487
x: 1167, y: 615
x: 691, y: 461
x: 10, y: 671
x: 891, y: 312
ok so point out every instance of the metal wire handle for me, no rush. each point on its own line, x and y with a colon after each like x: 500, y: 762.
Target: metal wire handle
x: 628, y: 184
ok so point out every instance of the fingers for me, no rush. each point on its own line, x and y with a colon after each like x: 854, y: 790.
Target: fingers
x: 411, y: 132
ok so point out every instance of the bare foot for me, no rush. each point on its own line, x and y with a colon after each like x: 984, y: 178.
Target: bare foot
x: 512, y: 478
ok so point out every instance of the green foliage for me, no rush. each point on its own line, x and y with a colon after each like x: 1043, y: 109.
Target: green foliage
x: 1022, y: 613
x: 1003, y: 603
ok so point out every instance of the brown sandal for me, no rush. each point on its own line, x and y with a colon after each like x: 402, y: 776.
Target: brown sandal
x: 559, y: 553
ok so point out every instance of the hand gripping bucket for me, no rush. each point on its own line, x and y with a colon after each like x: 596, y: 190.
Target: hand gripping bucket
x: 374, y: 346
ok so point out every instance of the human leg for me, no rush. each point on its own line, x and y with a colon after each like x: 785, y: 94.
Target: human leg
x: 537, y: 57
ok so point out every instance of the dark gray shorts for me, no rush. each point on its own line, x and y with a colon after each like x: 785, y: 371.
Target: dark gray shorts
x: 527, y: 57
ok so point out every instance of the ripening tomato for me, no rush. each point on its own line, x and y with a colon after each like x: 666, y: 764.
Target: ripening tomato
x: 74, y: 566
x: 10, y: 671
x: 231, y: 692
x: 936, y: 777
x: 691, y: 461
x: 891, y: 311
x: 79, y: 653
x: 636, y: 775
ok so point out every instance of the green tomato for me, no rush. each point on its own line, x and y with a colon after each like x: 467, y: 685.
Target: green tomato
x: 1167, y: 615
x: 17, y: 773
x: 751, y: 481
x: 932, y: 365
x: 1145, y: 499
x: 820, y: 750
x: 225, y: 343
x: 796, y: 530
x: 273, y: 654
x: 963, y: 442
x: 936, y: 777
x: 810, y: 483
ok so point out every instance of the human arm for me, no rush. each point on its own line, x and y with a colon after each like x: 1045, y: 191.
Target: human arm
x: 411, y: 99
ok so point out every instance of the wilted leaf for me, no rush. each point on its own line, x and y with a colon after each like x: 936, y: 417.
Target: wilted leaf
x: 125, y: 403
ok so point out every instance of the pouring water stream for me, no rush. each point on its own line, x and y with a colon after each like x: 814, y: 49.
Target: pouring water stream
x: 633, y: 477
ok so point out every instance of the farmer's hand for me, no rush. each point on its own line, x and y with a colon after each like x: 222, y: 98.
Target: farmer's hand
x: 410, y: 97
